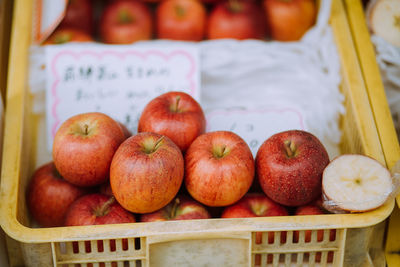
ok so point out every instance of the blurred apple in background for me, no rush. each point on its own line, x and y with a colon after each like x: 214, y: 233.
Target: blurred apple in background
x: 67, y: 35
x: 176, y: 115
x: 49, y: 196
x: 181, y: 20
x: 288, y: 20
x: 181, y: 208
x: 79, y: 15
x: 84, y: 146
x: 125, y: 22
x: 146, y: 172
x: 289, y: 167
x: 237, y: 19
x: 219, y: 168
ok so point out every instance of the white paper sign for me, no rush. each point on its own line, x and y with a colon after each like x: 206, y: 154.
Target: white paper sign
x: 116, y: 80
x: 255, y: 125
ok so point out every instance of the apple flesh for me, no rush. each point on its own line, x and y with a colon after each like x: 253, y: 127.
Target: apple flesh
x: 219, y: 168
x: 176, y: 115
x: 289, y: 166
x: 237, y: 19
x: 146, y: 172
x: 125, y: 22
x: 49, y: 196
x: 181, y: 208
x: 84, y: 146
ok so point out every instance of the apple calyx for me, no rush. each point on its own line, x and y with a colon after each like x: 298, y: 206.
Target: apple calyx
x: 151, y: 147
x: 290, y: 148
x: 220, y: 151
x: 124, y: 17
x: 175, y: 106
x: 173, y: 212
x: 235, y: 6
x: 105, y: 208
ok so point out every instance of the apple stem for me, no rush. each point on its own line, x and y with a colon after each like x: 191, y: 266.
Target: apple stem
x: 220, y: 151
x: 104, y: 209
x: 124, y: 17
x: 234, y: 6
x: 175, y: 107
x: 158, y: 143
x: 290, y: 148
x: 174, y: 208
x: 86, y: 128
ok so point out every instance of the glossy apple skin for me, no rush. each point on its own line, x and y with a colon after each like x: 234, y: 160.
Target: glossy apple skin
x: 84, y: 158
x: 181, y: 20
x: 79, y: 15
x: 216, y: 180
x: 247, y: 22
x: 144, y: 181
x: 67, y: 35
x: 288, y: 20
x: 125, y: 22
x: 296, y: 180
x: 257, y: 205
x: 182, y: 126
x: 49, y: 196
x: 313, y: 209
x: 185, y: 209
x: 82, y: 212
x: 125, y: 130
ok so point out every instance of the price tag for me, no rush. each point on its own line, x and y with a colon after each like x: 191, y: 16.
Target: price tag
x: 255, y: 125
x: 118, y: 81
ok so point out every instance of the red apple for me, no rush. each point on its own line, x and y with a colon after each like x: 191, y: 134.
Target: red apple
x: 181, y: 20
x: 146, y: 172
x: 219, y: 168
x: 181, y: 208
x: 67, y: 35
x: 237, y: 19
x: 83, y: 148
x: 127, y: 133
x: 79, y: 15
x: 97, y: 209
x: 49, y: 196
x: 176, y: 115
x: 313, y: 209
x: 105, y: 189
x: 288, y: 20
x: 257, y: 205
x: 125, y: 22
x: 289, y: 166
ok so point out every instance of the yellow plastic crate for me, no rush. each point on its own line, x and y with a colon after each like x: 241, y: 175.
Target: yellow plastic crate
x: 214, y: 242
x: 381, y: 111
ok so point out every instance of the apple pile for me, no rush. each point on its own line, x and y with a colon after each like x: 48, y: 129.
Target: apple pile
x: 128, y: 21
x: 174, y: 170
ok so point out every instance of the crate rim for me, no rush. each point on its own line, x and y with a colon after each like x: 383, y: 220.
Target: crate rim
x: 9, y: 193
